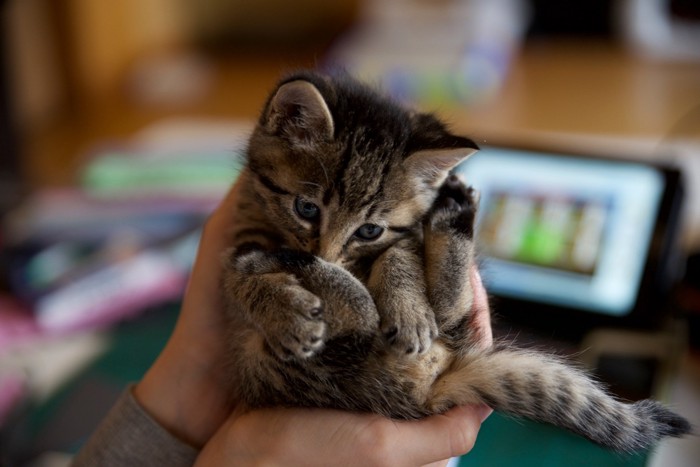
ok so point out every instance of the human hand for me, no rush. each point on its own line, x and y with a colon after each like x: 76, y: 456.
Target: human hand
x: 321, y: 437
x: 185, y: 389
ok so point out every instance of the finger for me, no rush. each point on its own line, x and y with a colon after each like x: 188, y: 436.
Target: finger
x: 204, y: 280
x: 440, y: 437
x: 481, y: 317
x: 214, y: 236
x: 442, y: 463
x: 200, y: 312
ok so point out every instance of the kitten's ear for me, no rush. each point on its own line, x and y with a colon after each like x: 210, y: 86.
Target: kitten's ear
x: 299, y: 111
x: 431, y: 166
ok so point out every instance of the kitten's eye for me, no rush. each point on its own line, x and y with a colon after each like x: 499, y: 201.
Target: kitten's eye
x: 306, y: 209
x: 369, y: 232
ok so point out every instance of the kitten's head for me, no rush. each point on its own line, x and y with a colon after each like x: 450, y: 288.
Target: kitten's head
x: 344, y: 171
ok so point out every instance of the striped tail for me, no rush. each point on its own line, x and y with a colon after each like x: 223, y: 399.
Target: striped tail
x: 544, y: 388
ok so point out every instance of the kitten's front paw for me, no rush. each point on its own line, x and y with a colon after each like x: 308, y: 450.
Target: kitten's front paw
x: 455, y: 208
x: 298, y: 329
x: 410, y: 331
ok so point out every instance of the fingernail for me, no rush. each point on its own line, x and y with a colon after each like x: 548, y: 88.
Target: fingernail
x: 483, y: 411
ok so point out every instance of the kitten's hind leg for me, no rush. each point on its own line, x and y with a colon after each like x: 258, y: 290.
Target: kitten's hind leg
x: 449, y: 254
x: 397, y: 284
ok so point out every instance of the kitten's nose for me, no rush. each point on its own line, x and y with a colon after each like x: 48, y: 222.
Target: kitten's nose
x: 331, y: 252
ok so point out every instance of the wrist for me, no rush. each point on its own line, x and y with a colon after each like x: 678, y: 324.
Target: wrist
x: 184, y: 397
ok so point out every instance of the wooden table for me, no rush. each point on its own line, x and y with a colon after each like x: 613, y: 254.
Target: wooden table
x: 592, y: 88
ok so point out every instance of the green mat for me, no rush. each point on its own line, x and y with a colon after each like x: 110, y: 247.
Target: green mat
x: 508, y: 442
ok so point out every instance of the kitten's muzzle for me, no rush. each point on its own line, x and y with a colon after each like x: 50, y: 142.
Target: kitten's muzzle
x: 332, y: 252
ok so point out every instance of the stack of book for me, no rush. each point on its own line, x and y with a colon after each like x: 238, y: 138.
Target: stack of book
x: 123, y: 239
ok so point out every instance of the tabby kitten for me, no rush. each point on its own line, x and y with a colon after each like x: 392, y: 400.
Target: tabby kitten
x: 347, y: 284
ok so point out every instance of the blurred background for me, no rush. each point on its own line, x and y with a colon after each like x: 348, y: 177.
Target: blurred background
x: 122, y: 124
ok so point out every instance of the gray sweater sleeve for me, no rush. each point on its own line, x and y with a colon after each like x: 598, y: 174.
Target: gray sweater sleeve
x: 128, y: 436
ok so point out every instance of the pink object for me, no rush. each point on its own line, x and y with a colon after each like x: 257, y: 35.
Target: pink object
x: 12, y: 390
x: 17, y: 323
x: 118, y: 291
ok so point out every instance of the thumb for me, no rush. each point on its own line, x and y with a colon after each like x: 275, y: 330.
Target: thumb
x: 440, y: 437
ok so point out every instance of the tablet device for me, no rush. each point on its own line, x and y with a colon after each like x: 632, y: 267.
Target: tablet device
x: 563, y: 236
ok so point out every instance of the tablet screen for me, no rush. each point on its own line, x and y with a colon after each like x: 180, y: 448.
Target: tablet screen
x: 565, y: 231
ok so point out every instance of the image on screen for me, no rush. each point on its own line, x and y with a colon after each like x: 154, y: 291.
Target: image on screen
x: 560, y: 232
x: 564, y: 231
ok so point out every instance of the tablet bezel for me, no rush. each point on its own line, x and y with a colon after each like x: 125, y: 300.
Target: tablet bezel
x: 662, y: 267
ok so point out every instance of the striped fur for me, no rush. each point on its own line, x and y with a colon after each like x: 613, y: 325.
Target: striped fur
x: 321, y: 315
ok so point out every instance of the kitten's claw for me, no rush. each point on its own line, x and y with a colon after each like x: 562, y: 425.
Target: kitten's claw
x: 300, y: 331
x: 410, y: 333
x: 391, y: 334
